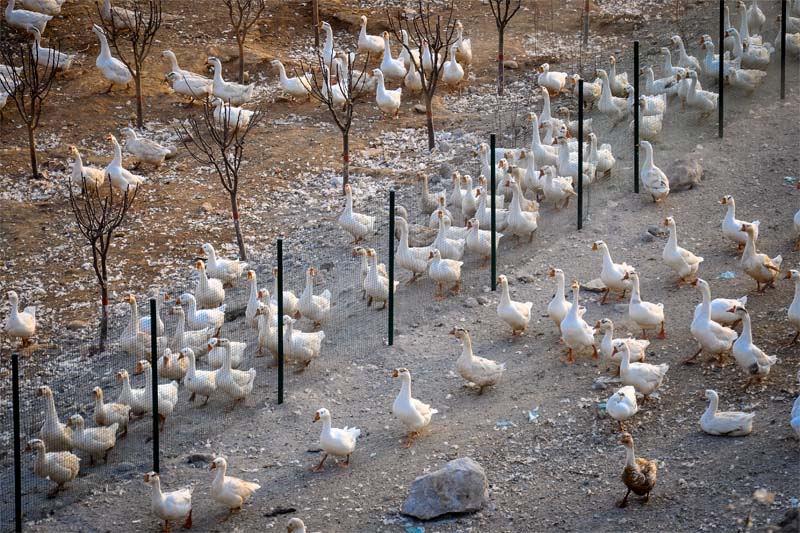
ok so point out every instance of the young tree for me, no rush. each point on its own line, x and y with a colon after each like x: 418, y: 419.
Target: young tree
x: 98, y: 217
x: 501, y: 9
x: 425, y: 28
x: 132, y: 42
x: 338, y: 97
x: 218, y: 139
x: 28, y: 86
x: 243, y: 14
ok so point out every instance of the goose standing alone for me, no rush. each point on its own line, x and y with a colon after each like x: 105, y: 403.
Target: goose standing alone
x: 228, y: 490
x: 169, y: 506
x: 113, y: 70
x: 388, y: 100
x: 476, y: 370
x: 335, y: 441
x: 414, y: 414
x: 20, y: 324
x: 58, y: 467
x: 726, y: 423
x: 515, y: 314
x: 22, y: 19
x: 639, y: 474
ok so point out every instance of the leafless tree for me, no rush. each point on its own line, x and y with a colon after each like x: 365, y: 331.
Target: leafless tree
x: 243, y: 14
x: 98, y: 217
x: 426, y: 27
x: 349, y: 82
x: 503, y: 13
x: 133, y: 40
x: 28, y: 86
x: 218, y: 139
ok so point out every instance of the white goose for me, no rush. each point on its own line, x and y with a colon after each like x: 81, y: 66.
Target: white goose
x: 231, y: 93
x: 22, y: 19
x: 761, y: 267
x: 236, y: 384
x: 112, y: 68
x: 218, y: 351
x: 559, y: 306
x: 452, y: 71
x: 356, y: 224
x: 553, y: 81
x: 225, y: 270
x: 20, y: 324
x: 414, y: 414
x: 300, y: 346
x: 644, y: 377
x: 230, y: 116
x: 182, y: 73
x: 515, y: 314
x: 725, y: 423
x: 794, y: 307
x: 145, y: 150
x: 667, y: 85
x: 543, y: 155
x: 314, y: 307
x: 297, y: 86
x: 335, y: 441
x: 444, y: 271
x: 56, y: 436
x: 683, y: 262
x: 376, y: 284
x: 750, y: 358
x: 476, y: 370
x: 732, y: 227
x: 388, y: 100
x: 267, y: 330
x: 118, y: 17
x: 393, y: 69
x: 622, y: 405
x: 479, y: 241
x: 409, y: 59
x: 121, y: 179
x: 194, y: 88
x: 714, y: 339
x: 415, y: 260
x: 613, y: 275
x: 202, y: 382
x: 328, y: 51
x: 449, y: 248
x: 618, y: 82
x: 413, y: 80
x: 208, y: 292
x: 607, y: 344
x: 653, y: 179
x: 171, y: 506
x: 46, y: 7
x: 197, y: 340
x: 646, y: 315
x: 48, y: 57
x: 228, y: 490
x: 575, y: 332
x: 557, y: 188
x: 369, y: 43
x: 201, y: 318
x: 520, y: 222
x: 463, y: 46
x: 705, y: 101
x: 89, y: 179
x: 684, y: 59
x: 602, y: 158
x: 616, y: 108
x: 289, y: 298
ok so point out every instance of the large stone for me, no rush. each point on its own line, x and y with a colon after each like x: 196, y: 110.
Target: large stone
x: 684, y: 173
x: 460, y: 486
x: 596, y: 285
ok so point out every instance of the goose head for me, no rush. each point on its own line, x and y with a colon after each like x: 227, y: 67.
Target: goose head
x: 321, y: 414
x: 459, y: 333
x: 604, y: 324
x: 401, y: 373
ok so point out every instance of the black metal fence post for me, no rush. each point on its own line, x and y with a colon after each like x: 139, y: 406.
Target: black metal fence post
x: 636, y: 117
x: 154, y: 380
x: 721, y: 98
x: 580, y: 154
x: 491, y: 191
x: 279, y: 296
x: 784, y: 15
x: 391, y: 269
x: 17, y: 444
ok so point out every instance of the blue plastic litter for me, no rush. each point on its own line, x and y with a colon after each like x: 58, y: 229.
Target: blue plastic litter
x: 504, y: 423
x: 415, y: 529
x: 726, y: 275
x: 601, y: 405
x: 533, y: 414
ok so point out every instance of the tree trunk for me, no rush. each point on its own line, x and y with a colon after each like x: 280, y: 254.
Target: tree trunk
x: 500, y: 62
x: 238, y: 227
x: 345, y: 159
x: 137, y: 80
x: 586, y: 22
x: 32, y: 146
x: 240, y: 43
x: 429, y: 121
x: 315, y: 21
x: 104, y: 303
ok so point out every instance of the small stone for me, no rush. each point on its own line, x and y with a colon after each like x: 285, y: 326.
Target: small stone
x: 647, y: 237
x: 656, y: 230
x: 199, y: 458
x: 596, y: 285
x: 420, y: 108
x: 471, y: 302
x: 77, y: 324
x: 206, y: 208
x: 122, y: 468
x: 483, y: 300
x: 460, y: 486
x: 621, y: 308
x: 510, y: 64
x: 526, y: 278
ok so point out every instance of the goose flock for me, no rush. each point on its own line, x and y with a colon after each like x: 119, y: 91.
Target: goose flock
x: 454, y: 228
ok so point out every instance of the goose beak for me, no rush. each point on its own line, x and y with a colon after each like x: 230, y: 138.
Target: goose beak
x: 724, y: 200
x: 139, y: 368
x: 316, y: 417
x: 626, y: 276
x: 615, y: 351
x: 395, y: 373
x: 694, y: 282
x: 666, y: 222
x: 552, y: 273
x: 788, y: 275
x: 213, y: 466
x: 594, y: 246
x: 597, y: 324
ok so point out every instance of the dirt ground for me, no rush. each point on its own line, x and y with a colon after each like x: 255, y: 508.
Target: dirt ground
x: 558, y: 472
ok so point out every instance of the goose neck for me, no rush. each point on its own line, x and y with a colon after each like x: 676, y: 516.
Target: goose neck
x: 466, y: 349
x: 52, y: 415
x: 630, y: 456
x: 405, y: 386
x: 713, y: 404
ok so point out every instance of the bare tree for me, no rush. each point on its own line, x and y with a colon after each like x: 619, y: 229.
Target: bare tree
x: 426, y: 28
x: 243, y: 14
x: 338, y: 97
x: 98, y: 217
x: 218, y: 139
x: 501, y: 9
x: 132, y: 42
x: 28, y: 86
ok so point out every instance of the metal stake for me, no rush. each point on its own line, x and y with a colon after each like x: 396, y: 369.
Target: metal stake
x: 154, y: 380
x: 280, y: 321
x: 492, y: 172
x: 391, y: 268
x: 636, y: 117
x: 721, y: 99
x: 580, y: 154
x: 783, y: 49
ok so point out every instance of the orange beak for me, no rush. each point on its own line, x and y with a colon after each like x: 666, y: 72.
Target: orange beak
x: 395, y: 373
x: 694, y: 282
x: 594, y: 246
x: 139, y: 368
x: 552, y: 273
x: 316, y: 417
x: 597, y: 324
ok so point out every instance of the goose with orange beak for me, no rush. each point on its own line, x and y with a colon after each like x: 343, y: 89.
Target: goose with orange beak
x: 335, y: 441
x: 414, y: 414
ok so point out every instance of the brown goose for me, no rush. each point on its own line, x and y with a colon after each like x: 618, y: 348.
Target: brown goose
x: 639, y: 474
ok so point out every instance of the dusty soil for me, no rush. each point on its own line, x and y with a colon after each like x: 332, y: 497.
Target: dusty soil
x: 559, y: 472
